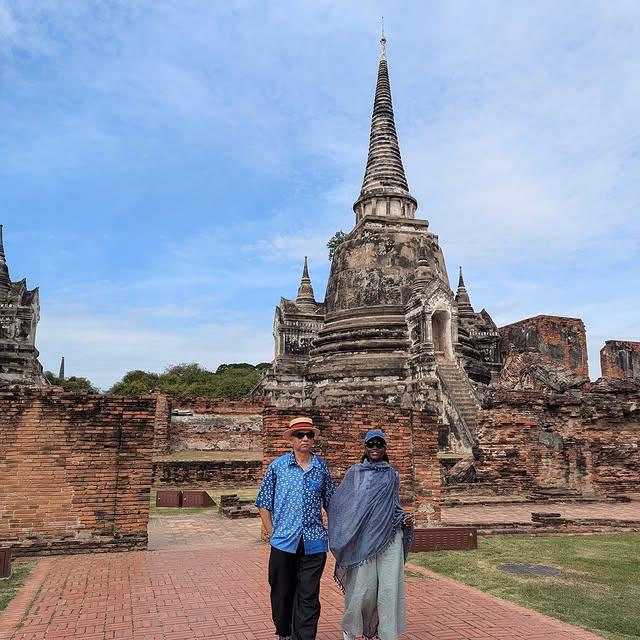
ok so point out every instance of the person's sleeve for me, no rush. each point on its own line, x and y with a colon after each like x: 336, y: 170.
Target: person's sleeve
x: 329, y: 488
x: 267, y: 489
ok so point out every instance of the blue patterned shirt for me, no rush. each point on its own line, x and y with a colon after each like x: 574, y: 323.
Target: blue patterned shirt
x: 295, y: 498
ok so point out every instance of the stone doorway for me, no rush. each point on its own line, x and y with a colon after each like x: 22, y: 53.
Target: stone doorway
x: 441, y: 333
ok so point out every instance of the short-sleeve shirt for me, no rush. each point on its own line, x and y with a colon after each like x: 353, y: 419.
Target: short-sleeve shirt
x: 295, y: 497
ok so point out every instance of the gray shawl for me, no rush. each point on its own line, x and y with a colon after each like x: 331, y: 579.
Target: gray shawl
x: 364, y: 515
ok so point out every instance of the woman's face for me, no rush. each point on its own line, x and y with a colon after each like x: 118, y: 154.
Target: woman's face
x: 375, y: 449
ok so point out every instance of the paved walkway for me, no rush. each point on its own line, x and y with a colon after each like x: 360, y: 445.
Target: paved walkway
x: 212, y: 584
x: 521, y: 512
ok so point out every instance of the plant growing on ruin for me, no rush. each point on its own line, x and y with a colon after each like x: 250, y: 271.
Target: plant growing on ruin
x: 338, y: 238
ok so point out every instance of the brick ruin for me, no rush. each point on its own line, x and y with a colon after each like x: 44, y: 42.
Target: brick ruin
x: 216, y: 424
x: 620, y: 359
x: 75, y: 471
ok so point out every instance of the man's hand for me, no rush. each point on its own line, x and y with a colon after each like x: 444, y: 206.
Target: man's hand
x: 408, y: 520
x: 267, y: 522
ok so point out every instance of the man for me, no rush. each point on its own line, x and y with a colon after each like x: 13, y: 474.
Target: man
x: 295, y: 488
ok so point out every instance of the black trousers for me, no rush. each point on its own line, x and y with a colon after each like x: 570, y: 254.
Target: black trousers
x: 295, y: 592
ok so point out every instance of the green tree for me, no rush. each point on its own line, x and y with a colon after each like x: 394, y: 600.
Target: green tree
x: 338, y: 238
x: 190, y: 379
x: 72, y: 383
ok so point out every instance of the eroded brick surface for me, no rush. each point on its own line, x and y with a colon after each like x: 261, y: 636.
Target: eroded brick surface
x: 75, y: 470
x: 561, y: 340
x: 620, y: 359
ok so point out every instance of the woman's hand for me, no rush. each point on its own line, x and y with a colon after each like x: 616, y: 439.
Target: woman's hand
x: 408, y: 520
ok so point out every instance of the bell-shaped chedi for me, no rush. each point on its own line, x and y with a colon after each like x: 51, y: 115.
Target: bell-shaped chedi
x: 19, y: 316
x: 362, y: 347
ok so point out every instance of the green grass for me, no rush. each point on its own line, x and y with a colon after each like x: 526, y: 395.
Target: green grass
x: 246, y: 493
x: 21, y: 569
x: 598, y: 589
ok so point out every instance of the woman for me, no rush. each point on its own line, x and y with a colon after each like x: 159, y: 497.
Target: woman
x: 370, y: 535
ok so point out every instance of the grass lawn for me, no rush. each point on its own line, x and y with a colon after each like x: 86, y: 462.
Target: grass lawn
x: 21, y: 569
x: 598, y: 589
x: 246, y: 493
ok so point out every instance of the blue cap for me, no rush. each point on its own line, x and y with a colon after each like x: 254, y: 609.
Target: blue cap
x: 374, y: 433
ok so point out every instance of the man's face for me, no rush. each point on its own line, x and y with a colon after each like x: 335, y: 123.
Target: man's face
x: 302, y: 440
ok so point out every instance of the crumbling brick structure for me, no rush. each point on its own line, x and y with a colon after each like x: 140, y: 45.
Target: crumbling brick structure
x: 580, y: 441
x: 231, y: 474
x: 562, y: 341
x: 412, y: 446
x: 75, y: 471
x: 620, y: 359
x: 210, y: 424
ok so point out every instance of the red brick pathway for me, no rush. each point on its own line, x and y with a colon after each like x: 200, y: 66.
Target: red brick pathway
x: 221, y: 593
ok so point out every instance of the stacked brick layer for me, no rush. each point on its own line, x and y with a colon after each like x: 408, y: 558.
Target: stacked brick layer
x: 75, y: 471
x: 583, y: 441
x: 412, y: 446
x: 208, y: 473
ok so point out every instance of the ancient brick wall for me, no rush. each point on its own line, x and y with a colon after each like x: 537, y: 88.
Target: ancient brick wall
x: 620, y: 359
x: 75, y: 471
x: 412, y: 446
x: 216, y: 424
x: 561, y: 340
x: 583, y: 441
x: 208, y: 473
x: 162, y: 425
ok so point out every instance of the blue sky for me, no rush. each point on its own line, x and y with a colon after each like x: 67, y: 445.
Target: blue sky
x: 166, y: 165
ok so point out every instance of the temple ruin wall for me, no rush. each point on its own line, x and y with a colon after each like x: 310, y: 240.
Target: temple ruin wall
x: 75, y: 471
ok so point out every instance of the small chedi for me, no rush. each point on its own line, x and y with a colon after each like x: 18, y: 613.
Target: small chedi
x: 19, y: 316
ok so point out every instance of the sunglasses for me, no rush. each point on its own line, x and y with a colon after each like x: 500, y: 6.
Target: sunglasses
x: 301, y: 434
x: 375, y: 444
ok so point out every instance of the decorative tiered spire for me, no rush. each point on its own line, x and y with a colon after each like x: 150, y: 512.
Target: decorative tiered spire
x: 305, y: 295
x: 61, y: 372
x: 5, y: 281
x: 385, y: 190
x: 462, y: 297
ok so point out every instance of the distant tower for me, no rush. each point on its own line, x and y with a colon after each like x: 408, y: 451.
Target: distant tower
x: 61, y: 372
x: 19, y: 315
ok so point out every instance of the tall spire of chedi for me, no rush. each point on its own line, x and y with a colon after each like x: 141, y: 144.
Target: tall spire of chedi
x: 385, y: 191
x: 5, y: 281
x: 462, y: 297
x: 305, y: 295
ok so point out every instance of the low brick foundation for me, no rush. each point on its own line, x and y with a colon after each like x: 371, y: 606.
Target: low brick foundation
x: 75, y: 471
x: 208, y: 473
